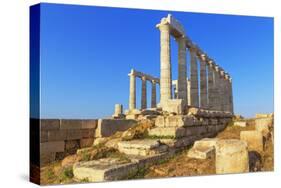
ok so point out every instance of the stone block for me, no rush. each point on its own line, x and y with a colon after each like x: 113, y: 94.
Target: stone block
x: 57, y: 135
x: 201, y: 152
x: 43, y: 136
x: 160, y: 121
x: 73, y: 134
x: 72, y: 145
x: 140, y: 144
x: 107, y: 169
x: 240, y: 123
x: 174, y: 106
x: 107, y: 127
x: 89, y: 124
x: 206, y: 143
x: 174, y: 121
x: 254, y: 140
x: 195, y: 130
x: 71, y: 124
x: 263, y: 124
x: 49, y: 124
x: 88, y: 133
x: 264, y: 115
x: 132, y: 116
x: 47, y: 158
x: 86, y: 142
x: 231, y: 156
x: 51, y: 147
x: 173, y: 132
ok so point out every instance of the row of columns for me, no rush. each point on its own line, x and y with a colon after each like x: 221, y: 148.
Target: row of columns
x: 215, y: 92
x: 132, y: 95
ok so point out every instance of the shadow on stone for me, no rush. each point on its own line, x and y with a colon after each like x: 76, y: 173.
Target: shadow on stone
x: 255, y: 161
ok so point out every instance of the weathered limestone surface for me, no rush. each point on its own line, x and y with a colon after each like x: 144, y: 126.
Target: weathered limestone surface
x: 167, y: 132
x: 231, y: 156
x: 203, y: 149
x: 263, y: 124
x: 174, y: 106
x: 51, y: 147
x: 174, y: 121
x: 104, y: 169
x: 254, y: 140
x: 107, y: 127
x: 142, y: 147
x: 240, y: 123
x: 201, y: 152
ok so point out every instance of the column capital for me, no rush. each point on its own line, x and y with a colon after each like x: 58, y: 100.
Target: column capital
x: 163, y: 25
x: 132, y: 73
x: 143, y: 78
x: 193, y: 48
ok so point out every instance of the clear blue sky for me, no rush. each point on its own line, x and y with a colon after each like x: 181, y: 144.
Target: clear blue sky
x: 87, y: 53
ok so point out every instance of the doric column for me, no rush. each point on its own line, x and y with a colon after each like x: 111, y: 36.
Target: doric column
x: 227, y: 93
x: 216, y: 88
x: 203, y: 82
x: 153, y: 94
x: 165, y: 58
x: 182, y: 83
x: 231, y: 96
x: 143, y: 93
x: 222, y: 90
x: 194, y: 97
x: 132, y: 97
x: 211, y: 96
x: 188, y: 92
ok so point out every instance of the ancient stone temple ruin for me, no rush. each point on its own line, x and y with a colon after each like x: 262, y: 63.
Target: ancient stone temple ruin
x: 215, y: 85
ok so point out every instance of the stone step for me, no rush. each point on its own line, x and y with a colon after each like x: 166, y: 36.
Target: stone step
x: 109, y: 169
x: 142, y: 147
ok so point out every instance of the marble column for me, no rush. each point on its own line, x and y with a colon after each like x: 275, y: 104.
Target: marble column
x: 143, y: 93
x: 188, y: 92
x: 227, y: 93
x: 216, y: 88
x: 203, y: 83
x: 132, y: 97
x: 165, y: 65
x: 182, y: 83
x: 194, y: 97
x: 153, y: 94
x: 231, y: 96
x: 222, y: 91
x: 211, y: 97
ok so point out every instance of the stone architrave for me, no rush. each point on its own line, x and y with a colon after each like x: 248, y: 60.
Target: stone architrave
x: 143, y: 93
x: 165, y: 65
x: 194, y: 97
x: 132, y: 97
x: 182, y: 83
x: 153, y: 94
x: 203, y: 82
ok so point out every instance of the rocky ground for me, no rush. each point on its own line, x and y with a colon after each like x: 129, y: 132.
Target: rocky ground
x: 60, y: 172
